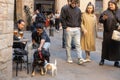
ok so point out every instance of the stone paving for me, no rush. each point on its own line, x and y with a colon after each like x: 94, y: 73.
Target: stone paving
x: 87, y: 71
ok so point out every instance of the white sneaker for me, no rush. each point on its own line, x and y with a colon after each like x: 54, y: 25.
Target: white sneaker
x: 69, y: 61
x: 87, y: 60
x: 81, y: 61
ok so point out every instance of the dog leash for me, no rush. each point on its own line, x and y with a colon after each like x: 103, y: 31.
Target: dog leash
x: 40, y: 55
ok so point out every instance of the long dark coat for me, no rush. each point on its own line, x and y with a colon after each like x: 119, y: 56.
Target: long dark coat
x: 110, y: 48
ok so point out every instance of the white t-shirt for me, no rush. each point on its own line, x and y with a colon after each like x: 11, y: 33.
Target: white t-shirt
x: 34, y: 17
x: 57, y: 15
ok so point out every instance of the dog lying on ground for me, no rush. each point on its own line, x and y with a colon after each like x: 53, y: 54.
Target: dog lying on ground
x: 51, y: 67
x: 39, y: 60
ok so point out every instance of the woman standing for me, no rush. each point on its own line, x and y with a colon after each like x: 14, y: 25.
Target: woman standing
x: 110, y: 48
x: 89, y: 22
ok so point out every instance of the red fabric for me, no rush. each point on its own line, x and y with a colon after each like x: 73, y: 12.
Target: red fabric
x: 40, y: 55
x: 47, y: 22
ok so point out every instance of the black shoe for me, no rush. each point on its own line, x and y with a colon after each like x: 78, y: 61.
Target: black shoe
x: 63, y: 46
x: 101, y: 62
x: 116, y: 64
x: 73, y: 47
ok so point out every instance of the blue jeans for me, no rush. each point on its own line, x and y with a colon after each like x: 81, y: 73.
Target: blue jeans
x: 75, y: 35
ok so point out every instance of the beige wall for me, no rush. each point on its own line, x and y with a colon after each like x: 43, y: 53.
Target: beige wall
x: 30, y: 4
x: 6, y: 38
x: 83, y: 4
x: 59, y: 4
x: 19, y: 9
x: 118, y: 4
x: 105, y: 4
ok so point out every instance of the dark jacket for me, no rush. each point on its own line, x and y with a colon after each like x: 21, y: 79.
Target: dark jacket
x: 40, y: 18
x: 110, y: 48
x: 70, y: 17
x: 18, y: 44
x: 38, y: 38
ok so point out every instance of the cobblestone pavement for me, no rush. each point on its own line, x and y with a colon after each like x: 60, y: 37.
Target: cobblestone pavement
x: 87, y: 71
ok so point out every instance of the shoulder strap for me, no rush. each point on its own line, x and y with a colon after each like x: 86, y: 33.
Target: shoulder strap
x: 115, y: 17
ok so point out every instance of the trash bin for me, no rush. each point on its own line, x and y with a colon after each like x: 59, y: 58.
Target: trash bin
x: 51, y: 31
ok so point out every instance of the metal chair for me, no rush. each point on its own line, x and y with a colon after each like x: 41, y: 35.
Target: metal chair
x: 19, y: 58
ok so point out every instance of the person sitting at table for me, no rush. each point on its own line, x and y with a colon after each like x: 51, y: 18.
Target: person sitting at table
x: 18, y: 34
x: 40, y: 40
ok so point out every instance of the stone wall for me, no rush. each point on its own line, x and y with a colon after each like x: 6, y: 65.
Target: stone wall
x: 21, y: 11
x: 83, y: 4
x: 105, y: 4
x: 27, y: 13
x: 59, y: 4
x: 6, y: 38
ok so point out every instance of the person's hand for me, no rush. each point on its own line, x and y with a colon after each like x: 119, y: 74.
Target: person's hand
x: 39, y: 49
x: 68, y: 29
x: 105, y: 17
x: 85, y: 31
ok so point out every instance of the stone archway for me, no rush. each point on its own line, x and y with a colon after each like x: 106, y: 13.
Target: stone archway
x: 6, y: 38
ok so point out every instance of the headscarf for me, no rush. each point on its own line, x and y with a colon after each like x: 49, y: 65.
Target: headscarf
x: 114, y: 2
x: 90, y: 4
x: 76, y: 1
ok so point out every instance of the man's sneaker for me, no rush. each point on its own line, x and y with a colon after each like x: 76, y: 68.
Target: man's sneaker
x: 81, y: 61
x: 69, y: 61
x: 73, y: 47
x: 87, y: 60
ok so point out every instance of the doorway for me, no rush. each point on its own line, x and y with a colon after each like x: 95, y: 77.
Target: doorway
x: 45, y: 6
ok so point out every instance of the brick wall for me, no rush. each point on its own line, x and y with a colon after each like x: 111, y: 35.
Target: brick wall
x: 6, y: 38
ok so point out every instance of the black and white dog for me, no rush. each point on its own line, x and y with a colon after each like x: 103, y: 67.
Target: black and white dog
x: 39, y: 60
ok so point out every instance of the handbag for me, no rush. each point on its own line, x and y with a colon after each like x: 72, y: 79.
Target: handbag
x: 116, y: 35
